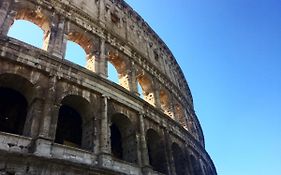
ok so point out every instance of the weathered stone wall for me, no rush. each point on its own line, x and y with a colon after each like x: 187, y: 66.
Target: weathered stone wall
x: 108, y: 31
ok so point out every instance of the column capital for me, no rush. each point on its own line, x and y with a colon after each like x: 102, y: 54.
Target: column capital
x: 106, y: 96
x: 141, y: 113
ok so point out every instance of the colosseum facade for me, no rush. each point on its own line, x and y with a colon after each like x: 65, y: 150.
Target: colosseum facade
x: 59, y: 118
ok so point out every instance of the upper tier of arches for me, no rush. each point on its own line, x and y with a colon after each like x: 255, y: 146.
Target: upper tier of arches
x: 160, y: 86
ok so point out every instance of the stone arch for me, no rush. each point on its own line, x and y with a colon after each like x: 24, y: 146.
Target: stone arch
x: 156, y: 151
x: 193, y: 127
x: 139, y: 90
x: 165, y: 102
x: 16, y: 96
x: 20, y: 84
x: 180, y: 115
x: 179, y: 159
x: 35, y: 16
x: 120, y: 64
x: 195, y: 165
x: 205, y: 170
x: 74, y: 123
x: 81, y: 39
x: 31, y: 75
x: 86, y: 43
x: 145, y: 82
x: 123, y: 138
x: 112, y: 73
x: 69, y: 89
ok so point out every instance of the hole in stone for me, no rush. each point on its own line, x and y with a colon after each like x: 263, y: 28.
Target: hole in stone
x: 11, y: 173
x: 69, y: 130
x: 123, y: 139
x: 75, y: 53
x: 180, y: 163
x: 140, y: 90
x: 156, y: 151
x: 13, y: 110
x: 112, y: 73
x: 27, y: 32
x: 116, y: 143
x: 114, y: 18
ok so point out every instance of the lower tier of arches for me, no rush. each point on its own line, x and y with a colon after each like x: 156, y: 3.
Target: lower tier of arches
x: 75, y: 117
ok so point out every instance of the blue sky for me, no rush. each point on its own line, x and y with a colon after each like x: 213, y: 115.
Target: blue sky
x: 230, y: 53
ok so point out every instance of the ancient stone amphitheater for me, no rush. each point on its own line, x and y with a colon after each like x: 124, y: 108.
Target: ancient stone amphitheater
x: 59, y: 118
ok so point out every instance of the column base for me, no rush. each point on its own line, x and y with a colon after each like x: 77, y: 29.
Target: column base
x: 42, y: 147
x: 147, y: 170
x: 104, y: 160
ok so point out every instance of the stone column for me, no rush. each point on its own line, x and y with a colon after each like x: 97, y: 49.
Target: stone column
x: 34, y: 114
x: 57, y: 41
x: 132, y: 78
x: 189, y: 168
x: 169, y: 155
x: 4, y: 8
x: 156, y: 94
x: 100, y: 63
x: 143, y: 144
x: 104, y: 127
x: 104, y: 157
x: 146, y: 168
x: 93, y: 58
x: 47, y: 129
x: 102, y: 13
x: 202, y: 167
x: 139, y: 150
x: 6, y: 21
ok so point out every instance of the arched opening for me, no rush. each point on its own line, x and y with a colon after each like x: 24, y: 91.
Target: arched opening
x: 165, y: 103
x: 69, y: 127
x: 140, y: 90
x: 180, y: 114
x: 120, y: 66
x: 179, y: 160
x: 195, y: 165
x: 79, y: 50
x: 74, y: 124
x: 145, y: 88
x: 123, y: 139
x: 17, y: 95
x: 112, y: 73
x: 75, y: 53
x: 156, y: 151
x: 116, y: 141
x: 192, y: 127
x: 27, y: 32
x: 206, y: 171
x: 27, y: 25
x: 13, y: 111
